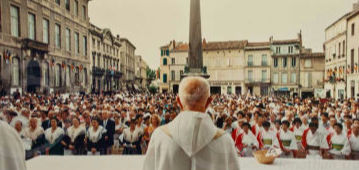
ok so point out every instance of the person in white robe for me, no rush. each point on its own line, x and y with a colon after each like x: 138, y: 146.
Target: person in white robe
x: 311, y: 141
x: 246, y: 142
x: 12, y: 151
x: 287, y: 141
x: 191, y: 141
x: 337, y: 144
x: 267, y: 138
x: 354, y: 141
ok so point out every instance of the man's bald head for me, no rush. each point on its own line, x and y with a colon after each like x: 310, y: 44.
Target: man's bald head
x: 194, y: 92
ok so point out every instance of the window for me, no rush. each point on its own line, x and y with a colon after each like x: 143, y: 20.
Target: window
x: 167, y: 52
x: 308, y: 63
x: 264, y: 60
x: 77, y: 41
x: 94, y: 60
x: 164, y: 78
x: 294, y: 61
x: 250, y: 75
x: 275, y: 62
x: 284, y: 78
x: 353, y: 29
x: 343, y: 47
x: 277, y: 50
x: 339, y: 48
x: 264, y: 75
x: 165, y: 61
x: 58, y: 2
x: 85, y: 77
x: 46, y: 74
x: 32, y: 26
x: 15, y: 71
x: 284, y: 62
x: 308, y: 79
x: 173, y: 75
x: 45, y: 31
x: 57, y: 36
x: 68, y: 78
x: 98, y: 45
x: 275, y: 77
x: 77, y: 76
x: 293, y: 78
x: 173, y: 61
x: 84, y: 12
x: 352, y: 61
x: 250, y: 60
x: 68, y: 39
x: 67, y: 5
x: 15, y: 21
x: 290, y: 49
x: 76, y: 8
x: 58, y: 75
x: 84, y: 43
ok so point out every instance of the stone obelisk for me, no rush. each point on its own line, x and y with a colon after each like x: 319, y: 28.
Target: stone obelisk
x: 195, y: 53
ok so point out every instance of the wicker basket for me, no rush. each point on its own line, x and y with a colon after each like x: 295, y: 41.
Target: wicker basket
x: 262, y: 158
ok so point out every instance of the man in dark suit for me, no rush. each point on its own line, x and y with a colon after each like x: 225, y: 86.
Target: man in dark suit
x: 109, y: 125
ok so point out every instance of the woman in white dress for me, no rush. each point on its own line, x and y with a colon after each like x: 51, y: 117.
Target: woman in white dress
x: 131, y: 138
x: 54, y: 136
x: 76, y: 134
x: 94, y: 137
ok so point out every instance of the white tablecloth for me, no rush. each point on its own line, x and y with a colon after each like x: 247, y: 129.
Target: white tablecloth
x: 135, y: 163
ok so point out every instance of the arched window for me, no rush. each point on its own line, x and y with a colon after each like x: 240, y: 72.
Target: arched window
x: 68, y: 78
x: 58, y: 75
x: 46, y: 74
x: 15, y: 71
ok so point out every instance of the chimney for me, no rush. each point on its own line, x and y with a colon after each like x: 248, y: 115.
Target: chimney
x: 118, y: 36
x: 271, y: 39
x: 174, y: 44
x: 204, y: 41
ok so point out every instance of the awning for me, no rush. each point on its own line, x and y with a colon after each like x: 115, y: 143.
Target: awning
x: 283, y: 89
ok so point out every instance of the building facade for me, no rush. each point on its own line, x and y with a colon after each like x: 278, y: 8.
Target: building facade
x: 258, y: 68
x: 285, y: 66
x: 127, y: 55
x: 352, y: 52
x: 140, y: 73
x: 105, y: 60
x: 241, y: 67
x: 336, y: 58
x: 312, y: 70
x: 44, y: 46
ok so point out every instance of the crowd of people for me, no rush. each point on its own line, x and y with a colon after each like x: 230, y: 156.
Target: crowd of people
x: 123, y: 122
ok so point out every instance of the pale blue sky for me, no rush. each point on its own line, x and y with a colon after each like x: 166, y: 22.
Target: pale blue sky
x: 150, y: 24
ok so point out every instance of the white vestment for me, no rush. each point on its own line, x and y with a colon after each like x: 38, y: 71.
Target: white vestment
x: 12, y: 152
x: 191, y: 146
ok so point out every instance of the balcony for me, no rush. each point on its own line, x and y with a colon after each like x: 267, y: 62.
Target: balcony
x: 249, y: 81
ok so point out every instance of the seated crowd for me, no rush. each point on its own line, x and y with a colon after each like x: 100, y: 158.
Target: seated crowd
x: 122, y: 123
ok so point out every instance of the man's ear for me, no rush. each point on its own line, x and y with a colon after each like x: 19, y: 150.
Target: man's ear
x: 179, y: 102
x: 209, y: 101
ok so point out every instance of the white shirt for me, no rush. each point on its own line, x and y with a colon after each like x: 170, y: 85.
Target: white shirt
x: 51, y: 136
x: 269, y: 139
x: 340, y: 144
x: 354, y: 142
x: 12, y: 152
x: 95, y: 136
x: 191, y: 146
x: 33, y: 135
x: 288, y: 140
x: 73, y: 132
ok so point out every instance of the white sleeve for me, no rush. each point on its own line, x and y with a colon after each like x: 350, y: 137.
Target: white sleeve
x: 150, y: 158
x: 346, y: 149
x: 324, y: 143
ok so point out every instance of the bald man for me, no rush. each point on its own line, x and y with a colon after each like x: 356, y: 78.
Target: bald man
x: 12, y: 152
x: 191, y: 141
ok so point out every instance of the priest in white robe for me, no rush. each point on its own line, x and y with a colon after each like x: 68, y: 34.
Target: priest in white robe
x: 191, y: 141
x: 12, y: 152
